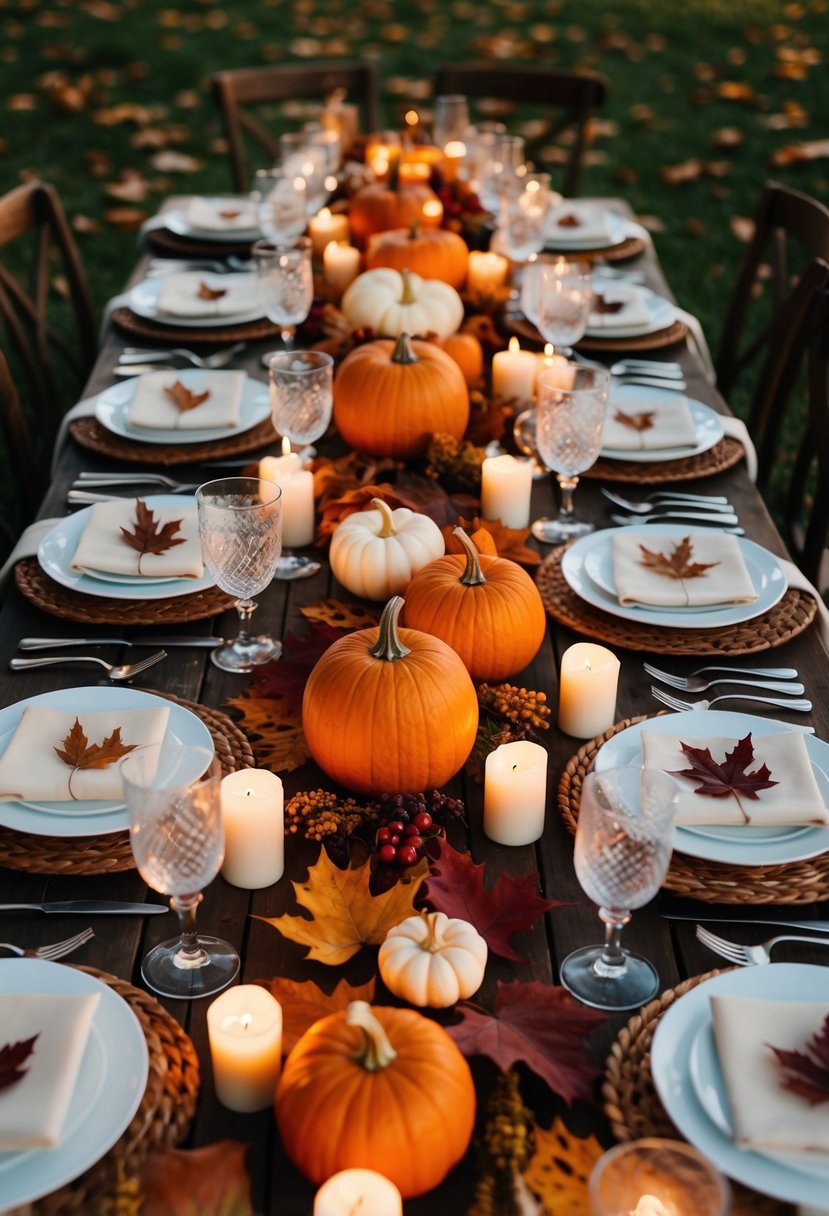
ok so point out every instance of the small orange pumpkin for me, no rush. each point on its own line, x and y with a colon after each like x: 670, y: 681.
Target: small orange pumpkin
x: 433, y: 253
x: 487, y: 609
x: 391, y: 397
x: 380, y: 206
x: 466, y: 350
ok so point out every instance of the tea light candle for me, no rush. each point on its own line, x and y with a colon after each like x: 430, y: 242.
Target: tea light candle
x: 587, y: 690
x: 431, y: 213
x: 252, y: 814
x: 558, y: 369
x: 506, y: 486
x: 327, y: 226
x: 486, y: 273
x: 515, y: 792
x: 244, y: 1026
x: 514, y: 373
x: 358, y: 1191
x: 381, y: 150
x: 340, y: 265
x: 297, y: 485
x: 454, y: 154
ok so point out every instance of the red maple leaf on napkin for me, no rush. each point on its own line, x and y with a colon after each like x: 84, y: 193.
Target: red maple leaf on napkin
x: 718, y: 780
x: 807, y: 1073
x: 147, y: 536
x: 12, y: 1058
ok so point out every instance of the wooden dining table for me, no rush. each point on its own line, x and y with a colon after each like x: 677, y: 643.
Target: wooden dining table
x: 235, y: 914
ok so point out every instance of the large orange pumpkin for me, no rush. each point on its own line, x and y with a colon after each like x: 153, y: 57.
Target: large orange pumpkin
x: 391, y: 397
x: 433, y: 253
x: 380, y: 206
x: 487, y: 609
x: 388, y: 711
x: 382, y: 1089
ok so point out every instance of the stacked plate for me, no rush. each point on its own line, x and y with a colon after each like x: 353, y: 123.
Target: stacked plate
x: 595, y: 228
x: 707, y: 423
x: 143, y: 299
x: 180, y: 223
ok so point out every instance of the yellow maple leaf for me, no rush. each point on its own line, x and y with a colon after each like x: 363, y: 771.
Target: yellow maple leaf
x: 340, y: 614
x: 559, y: 1170
x: 275, y: 732
x: 344, y: 913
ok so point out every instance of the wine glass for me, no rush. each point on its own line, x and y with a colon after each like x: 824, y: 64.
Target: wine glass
x: 522, y: 217
x: 623, y: 847
x: 240, y: 525
x: 286, y: 283
x: 450, y: 119
x: 568, y: 428
x: 173, y: 797
x: 279, y: 202
x: 563, y: 302
x: 302, y: 395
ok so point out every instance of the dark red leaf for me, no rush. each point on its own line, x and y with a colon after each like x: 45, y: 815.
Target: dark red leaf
x: 12, y: 1058
x: 288, y: 676
x: 807, y: 1073
x: 729, y: 777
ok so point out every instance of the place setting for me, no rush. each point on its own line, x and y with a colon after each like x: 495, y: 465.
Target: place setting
x: 205, y: 226
x: 592, y: 230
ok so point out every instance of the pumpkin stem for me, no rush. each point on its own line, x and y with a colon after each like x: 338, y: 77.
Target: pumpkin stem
x: 403, y: 352
x: 432, y: 919
x: 388, y: 645
x: 408, y: 296
x: 387, y: 527
x: 473, y: 575
x: 376, y: 1052
x: 414, y: 230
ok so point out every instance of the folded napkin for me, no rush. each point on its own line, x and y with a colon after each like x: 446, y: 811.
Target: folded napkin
x: 665, y: 423
x: 180, y: 295
x: 33, y: 1109
x: 764, y: 1115
x: 578, y: 223
x: 31, y: 770
x: 619, y: 307
x: 688, y: 570
x: 220, y: 215
x: 794, y: 799
x: 154, y: 406
x: 102, y: 548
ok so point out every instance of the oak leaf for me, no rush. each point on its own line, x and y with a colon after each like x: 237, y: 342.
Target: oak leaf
x: 12, y: 1059
x: 183, y: 398
x: 509, y: 542
x: 334, y: 510
x: 305, y: 1003
x: 274, y: 730
x: 147, y: 536
x: 206, y: 292
x: 677, y: 565
x: 540, y: 1025
x: 455, y: 885
x: 806, y: 1073
x: 81, y: 755
x: 559, y: 1170
x: 721, y: 780
x: 208, y: 1181
x: 643, y: 421
x: 344, y: 913
x: 340, y: 615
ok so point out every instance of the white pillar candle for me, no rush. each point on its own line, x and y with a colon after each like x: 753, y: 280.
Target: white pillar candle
x: 454, y: 154
x: 506, y: 486
x: 515, y: 792
x: 587, y: 690
x: 340, y: 265
x: 358, y: 1193
x: 560, y: 371
x: 514, y: 373
x: 327, y: 226
x: 244, y: 1026
x: 253, y: 818
x: 487, y: 272
x: 297, y: 485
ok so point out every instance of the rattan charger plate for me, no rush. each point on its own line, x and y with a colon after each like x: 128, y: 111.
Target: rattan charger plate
x: 630, y: 247
x: 90, y: 434
x: 112, y: 854
x: 795, y: 882
x: 163, y: 241
x: 723, y: 455
x: 163, y: 1117
x: 785, y: 620
x: 517, y: 323
x: 130, y: 323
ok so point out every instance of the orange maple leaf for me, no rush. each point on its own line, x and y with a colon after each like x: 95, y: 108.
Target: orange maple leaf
x: 182, y: 397
x: 643, y: 421
x: 80, y: 754
x: 210, y: 293
x: 678, y: 564
x: 147, y: 536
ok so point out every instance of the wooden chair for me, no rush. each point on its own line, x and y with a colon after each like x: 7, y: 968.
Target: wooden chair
x: 17, y: 461
x: 567, y: 100
x: 238, y: 92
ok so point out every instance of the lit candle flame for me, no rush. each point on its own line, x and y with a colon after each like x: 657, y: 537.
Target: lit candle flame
x: 411, y: 118
x: 514, y: 344
x: 286, y: 446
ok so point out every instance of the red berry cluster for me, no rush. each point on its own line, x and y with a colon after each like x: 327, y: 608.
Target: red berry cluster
x: 403, y: 842
x: 408, y: 822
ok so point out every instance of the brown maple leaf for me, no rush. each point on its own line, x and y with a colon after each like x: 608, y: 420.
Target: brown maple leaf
x: 210, y: 293
x: 304, y: 1002
x: 81, y: 755
x: 183, y: 398
x: 569, y: 221
x: 208, y: 1181
x: 147, y: 536
x: 643, y: 421
x: 560, y: 1168
x: 601, y: 304
x: 806, y: 1073
x: 12, y: 1058
x: 509, y: 542
x: 229, y: 215
x: 678, y: 564
x: 720, y: 780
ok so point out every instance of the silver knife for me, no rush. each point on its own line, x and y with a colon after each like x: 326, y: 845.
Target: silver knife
x: 819, y: 926
x: 198, y: 643
x: 88, y: 907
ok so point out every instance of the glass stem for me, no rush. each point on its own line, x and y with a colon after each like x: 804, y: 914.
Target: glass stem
x: 287, y: 336
x: 189, y: 954
x: 612, y: 960
x: 566, y: 485
x: 246, y: 609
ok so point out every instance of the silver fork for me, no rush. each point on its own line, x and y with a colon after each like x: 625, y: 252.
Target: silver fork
x: 122, y: 671
x: 86, y: 481
x: 702, y: 519
x: 647, y: 367
x: 697, y: 683
x: 657, y: 501
x: 770, y: 673
x: 221, y: 358
x: 746, y: 956
x: 790, y: 703
x: 55, y: 951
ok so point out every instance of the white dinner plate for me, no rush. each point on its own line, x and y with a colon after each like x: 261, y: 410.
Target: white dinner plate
x: 587, y: 567
x: 57, y: 549
x: 178, y: 223
x: 731, y: 844
x: 661, y: 314
x: 143, y: 300
x: 71, y: 818
x: 111, y: 1082
x: 671, y: 1071
x: 567, y: 239
x: 707, y: 423
x: 113, y: 404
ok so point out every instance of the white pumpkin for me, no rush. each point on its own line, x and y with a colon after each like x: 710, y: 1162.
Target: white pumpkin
x: 394, y: 302
x: 374, y: 554
x: 433, y: 960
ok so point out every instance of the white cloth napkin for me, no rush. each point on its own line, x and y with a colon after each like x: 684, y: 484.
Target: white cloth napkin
x: 27, y: 545
x: 33, y: 1109
x: 727, y: 580
x: 671, y: 426
x: 797, y: 579
x: 795, y: 799
x: 764, y: 1115
x: 593, y: 224
x: 153, y: 407
x: 220, y: 214
x: 633, y: 313
x: 179, y: 295
x: 102, y: 548
x: 735, y: 428
x: 83, y: 409
x: 31, y: 770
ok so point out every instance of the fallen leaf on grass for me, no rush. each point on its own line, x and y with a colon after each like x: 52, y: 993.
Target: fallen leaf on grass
x: 305, y: 1003
x: 559, y: 1169
x: 176, y: 162
x: 208, y: 1181
x: 678, y: 175
x: 125, y: 217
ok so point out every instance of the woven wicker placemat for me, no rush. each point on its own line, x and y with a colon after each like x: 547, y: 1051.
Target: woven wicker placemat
x: 163, y: 1117
x: 723, y: 455
x: 630, y: 247
x: 90, y: 434
x: 794, y: 882
x: 70, y: 605
x: 112, y: 854
x: 129, y: 323
x: 163, y: 241
x: 517, y: 323
x: 785, y: 620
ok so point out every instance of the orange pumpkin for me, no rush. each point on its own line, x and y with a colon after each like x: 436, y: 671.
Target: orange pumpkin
x: 433, y: 253
x: 486, y: 608
x: 392, y: 204
x: 382, y: 1089
x: 389, y: 711
x: 391, y: 397
x: 467, y: 352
